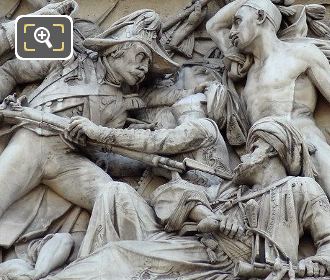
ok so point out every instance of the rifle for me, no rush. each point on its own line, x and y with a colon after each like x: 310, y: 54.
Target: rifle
x: 25, y: 116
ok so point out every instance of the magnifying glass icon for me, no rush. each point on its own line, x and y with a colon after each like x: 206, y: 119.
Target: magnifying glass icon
x: 41, y: 35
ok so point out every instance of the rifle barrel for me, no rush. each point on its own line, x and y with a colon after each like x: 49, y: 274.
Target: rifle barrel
x: 58, y: 123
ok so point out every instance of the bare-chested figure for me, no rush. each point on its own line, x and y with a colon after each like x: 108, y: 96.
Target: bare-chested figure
x: 285, y: 77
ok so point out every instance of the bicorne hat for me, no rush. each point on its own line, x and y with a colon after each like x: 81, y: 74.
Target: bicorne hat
x: 141, y: 26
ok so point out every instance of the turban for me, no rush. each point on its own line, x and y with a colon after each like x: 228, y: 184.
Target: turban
x: 288, y: 143
x: 272, y: 12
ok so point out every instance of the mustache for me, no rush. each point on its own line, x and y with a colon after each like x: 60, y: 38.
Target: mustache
x: 234, y: 38
x: 138, y: 73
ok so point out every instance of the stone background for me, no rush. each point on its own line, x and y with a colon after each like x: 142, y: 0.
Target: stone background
x: 94, y: 9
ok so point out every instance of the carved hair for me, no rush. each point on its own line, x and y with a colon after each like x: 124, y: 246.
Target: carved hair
x: 118, y: 51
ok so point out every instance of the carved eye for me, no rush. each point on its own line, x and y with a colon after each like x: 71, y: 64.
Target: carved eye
x: 237, y: 21
x: 140, y: 56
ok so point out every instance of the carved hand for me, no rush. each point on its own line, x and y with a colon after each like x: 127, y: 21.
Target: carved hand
x: 197, y: 16
x: 308, y: 267
x: 13, y: 102
x: 80, y: 128
x: 230, y: 227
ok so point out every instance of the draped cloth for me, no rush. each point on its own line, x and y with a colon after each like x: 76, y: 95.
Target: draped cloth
x: 226, y: 108
x: 287, y: 141
x: 272, y: 12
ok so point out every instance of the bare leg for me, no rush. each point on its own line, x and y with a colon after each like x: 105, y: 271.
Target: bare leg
x: 52, y: 255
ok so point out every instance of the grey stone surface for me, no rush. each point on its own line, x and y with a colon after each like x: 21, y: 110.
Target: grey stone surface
x: 181, y: 141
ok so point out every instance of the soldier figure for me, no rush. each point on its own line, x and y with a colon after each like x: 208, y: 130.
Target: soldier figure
x: 271, y: 203
x: 80, y: 86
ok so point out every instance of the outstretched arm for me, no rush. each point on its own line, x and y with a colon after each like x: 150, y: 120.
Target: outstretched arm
x: 318, y: 70
x: 15, y: 72
x: 186, y: 137
x: 219, y: 25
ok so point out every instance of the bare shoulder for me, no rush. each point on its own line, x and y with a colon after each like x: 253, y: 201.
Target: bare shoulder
x: 305, y: 51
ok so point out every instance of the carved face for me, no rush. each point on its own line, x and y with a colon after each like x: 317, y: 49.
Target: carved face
x: 133, y: 65
x: 244, y: 28
x: 252, y: 164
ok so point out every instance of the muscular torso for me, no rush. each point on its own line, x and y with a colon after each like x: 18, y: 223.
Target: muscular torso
x: 279, y: 86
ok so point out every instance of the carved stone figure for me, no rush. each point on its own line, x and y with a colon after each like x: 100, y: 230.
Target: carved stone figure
x: 195, y: 137
x: 284, y: 78
x: 278, y: 209
x: 119, y: 163
x: 82, y: 86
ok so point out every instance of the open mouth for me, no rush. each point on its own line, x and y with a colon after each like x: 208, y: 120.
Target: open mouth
x: 234, y: 40
x: 139, y: 75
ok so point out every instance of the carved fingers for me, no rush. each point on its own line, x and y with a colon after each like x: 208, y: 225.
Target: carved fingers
x: 208, y: 224
x: 224, y: 224
x: 80, y: 128
x: 230, y: 227
x: 13, y: 102
x: 197, y: 15
x: 307, y: 267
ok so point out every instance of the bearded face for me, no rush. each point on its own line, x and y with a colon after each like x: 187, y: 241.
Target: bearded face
x: 253, y: 164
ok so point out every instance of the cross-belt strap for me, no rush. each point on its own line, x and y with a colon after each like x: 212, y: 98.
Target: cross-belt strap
x: 231, y: 202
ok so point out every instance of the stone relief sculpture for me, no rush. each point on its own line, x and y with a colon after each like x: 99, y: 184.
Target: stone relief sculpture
x: 121, y: 163
x: 295, y: 97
